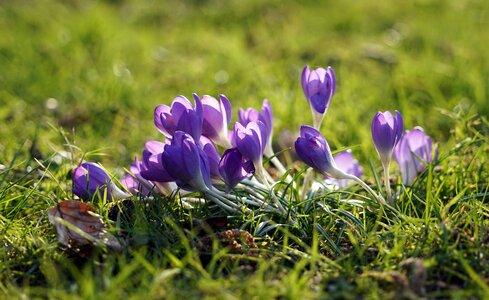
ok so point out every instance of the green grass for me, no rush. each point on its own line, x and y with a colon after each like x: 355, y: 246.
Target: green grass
x: 108, y: 64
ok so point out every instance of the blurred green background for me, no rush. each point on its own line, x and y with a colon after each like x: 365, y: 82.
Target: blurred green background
x: 98, y: 68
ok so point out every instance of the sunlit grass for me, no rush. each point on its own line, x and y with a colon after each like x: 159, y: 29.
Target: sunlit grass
x: 108, y: 64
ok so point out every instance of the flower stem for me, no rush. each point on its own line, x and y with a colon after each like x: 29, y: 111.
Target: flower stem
x: 224, y: 202
x: 305, y: 184
x: 260, y: 175
x: 254, y: 184
x: 255, y: 200
x: 378, y: 197
x: 276, y: 162
x: 280, y: 167
x: 277, y: 201
x: 387, y: 182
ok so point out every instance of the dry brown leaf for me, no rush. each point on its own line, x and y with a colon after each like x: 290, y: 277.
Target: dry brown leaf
x: 77, y: 225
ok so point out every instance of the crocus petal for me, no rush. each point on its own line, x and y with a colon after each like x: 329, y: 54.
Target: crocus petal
x: 212, y: 155
x: 347, y: 163
x: 319, y: 89
x: 152, y: 166
x: 134, y: 182
x: 319, y: 86
x: 226, y: 108
x: 90, y: 178
x: 154, y: 146
x: 187, y: 163
x: 266, y: 116
x: 304, y: 78
x: 130, y: 183
x: 163, y: 120
x: 249, y: 140
x: 399, y: 126
x: 247, y: 116
x: 386, y: 132
x: 313, y: 149
x: 332, y: 77
x: 180, y: 105
x: 216, y: 117
x: 233, y: 168
x: 181, y: 116
x: 414, y: 150
x: 213, y: 118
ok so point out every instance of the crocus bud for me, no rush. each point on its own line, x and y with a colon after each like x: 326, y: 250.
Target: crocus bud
x: 249, y: 140
x: 319, y: 86
x: 248, y: 115
x: 216, y: 118
x: 313, y: 149
x: 414, y: 150
x: 90, y: 178
x: 345, y: 161
x: 152, y: 166
x: 386, y: 133
x: 234, y: 168
x: 187, y: 163
x: 180, y: 116
x: 266, y: 117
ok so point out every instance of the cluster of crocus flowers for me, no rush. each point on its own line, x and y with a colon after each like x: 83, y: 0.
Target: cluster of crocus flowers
x: 193, y: 136
x: 413, y: 151
x: 199, y: 153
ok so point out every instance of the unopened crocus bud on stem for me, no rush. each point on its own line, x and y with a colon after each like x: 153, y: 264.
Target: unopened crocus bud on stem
x: 313, y: 149
x: 319, y: 86
x: 90, y: 179
x: 386, y: 133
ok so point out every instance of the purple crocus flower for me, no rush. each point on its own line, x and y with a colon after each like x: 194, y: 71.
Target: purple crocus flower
x: 249, y: 140
x: 266, y: 117
x: 234, y: 168
x: 319, y: 86
x: 212, y: 156
x: 181, y: 116
x: 90, y: 178
x: 414, y: 150
x: 134, y: 182
x: 313, y: 149
x: 216, y: 118
x: 386, y: 133
x: 345, y: 161
x: 187, y: 163
x: 152, y: 165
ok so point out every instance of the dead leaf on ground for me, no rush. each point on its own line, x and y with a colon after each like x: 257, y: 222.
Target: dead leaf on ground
x: 77, y: 226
